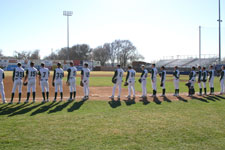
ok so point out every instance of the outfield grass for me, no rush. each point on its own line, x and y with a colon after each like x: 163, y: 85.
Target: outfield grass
x: 197, y: 124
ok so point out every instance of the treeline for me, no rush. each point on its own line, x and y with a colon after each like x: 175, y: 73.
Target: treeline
x: 119, y: 51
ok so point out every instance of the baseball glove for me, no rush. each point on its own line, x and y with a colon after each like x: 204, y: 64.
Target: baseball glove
x: 139, y: 80
x: 161, y: 85
x: 25, y: 83
x: 81, y: 84
x: 114, y: 81
x: 126, y: 84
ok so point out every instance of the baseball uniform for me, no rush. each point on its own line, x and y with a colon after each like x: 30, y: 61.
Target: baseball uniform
x: 176, y: 78
x: 118, y: 75
x: 200, y: 82
x: 71, y: 79
x: 192, y: 79
x: 211, y: 81
x: 163, y: 81
x: 131, y: 82
x: 31, y: 73
x: 154, y: 80
x: 44, y: 75
x: 144, y: 76
x: 57, y: 79
x: 204, y: 79
x: 222, y: 77
x: 18, y: 74
x: 2, y: 76
x: 85, y: 72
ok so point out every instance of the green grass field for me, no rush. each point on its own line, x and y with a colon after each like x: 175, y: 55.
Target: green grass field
x: 196, y: 124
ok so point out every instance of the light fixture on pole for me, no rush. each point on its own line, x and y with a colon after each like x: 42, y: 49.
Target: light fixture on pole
x: 67, y: 13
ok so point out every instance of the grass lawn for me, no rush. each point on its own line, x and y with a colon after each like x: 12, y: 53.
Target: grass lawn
x: 99, y: 125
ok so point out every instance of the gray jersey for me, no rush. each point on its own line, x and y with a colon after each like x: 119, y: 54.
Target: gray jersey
x: 85, y: 72
x: 144, y: 74
x: 31, y: 72
x: 44, y: 73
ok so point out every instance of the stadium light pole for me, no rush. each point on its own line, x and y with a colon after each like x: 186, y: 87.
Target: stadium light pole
x: 67, y: 14
x: 200, y: 46
x: 219, y: 20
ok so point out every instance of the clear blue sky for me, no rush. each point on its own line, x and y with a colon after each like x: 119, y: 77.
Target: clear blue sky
x: 156, y: 27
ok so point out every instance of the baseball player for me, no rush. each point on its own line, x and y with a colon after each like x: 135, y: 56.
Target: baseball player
x: 130, y: 79
x: 204, y: 79
x: 192, y: 79
x: 18, y: 74
x: 2, y: 76
x: 154, y: 80
x: 117, y: 80
x: 222, y: 77
x: 143, y: 81
x: 176, y: 78
x: 163, y: 80
x: 30, y: 80
x: 57, y: 81
x: 71, y: 80
x: 200, y: 80
x: 43, y: 80
x: 85, y: 74
x: 211, y: 79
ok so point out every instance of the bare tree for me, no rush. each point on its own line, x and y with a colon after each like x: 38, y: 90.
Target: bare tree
x: 22, y: 55
x: 102, y: 54
x: 35, y: 55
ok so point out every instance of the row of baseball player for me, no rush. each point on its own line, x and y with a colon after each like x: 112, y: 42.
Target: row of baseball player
x: 202, y: 73
x: 28, y: 78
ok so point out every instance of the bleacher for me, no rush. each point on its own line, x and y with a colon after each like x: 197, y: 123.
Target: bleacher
x: 187, y: 62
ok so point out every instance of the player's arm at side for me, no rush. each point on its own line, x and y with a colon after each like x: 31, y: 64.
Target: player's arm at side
x: 3, y: 75
x: 162, y: 76
x: 82, y: 73
x: 221, y: 76
x: 25, y: 79
x: 53, y: 78
x: 68, y: 75
x: 128, y: 73
x: 13, y: 75
x: 39, y: 76
x: 152, y: 74
x: 115, y: 74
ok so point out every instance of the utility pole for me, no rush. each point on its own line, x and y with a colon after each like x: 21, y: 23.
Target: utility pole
x: 219, y: 20
x: 200, y: 46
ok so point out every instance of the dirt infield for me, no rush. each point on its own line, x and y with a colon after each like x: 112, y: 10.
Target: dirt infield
x: 96, y: 93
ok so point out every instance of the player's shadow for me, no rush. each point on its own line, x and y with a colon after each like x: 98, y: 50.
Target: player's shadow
x: 60, y: 107
x: 156, y: 100
x: 44, y: 108
x: 182, y: 99
x: 166, y: 99
x: 211, y: 98
x: 130, y: 101
x: 12, y: 109
x: 219, y: 96
x: 114, y: 104
x: 200, y: 99
x: 25, y: 110
x: 145, y: 101
x: 76, y: 106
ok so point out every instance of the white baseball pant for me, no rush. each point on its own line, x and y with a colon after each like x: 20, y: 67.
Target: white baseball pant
x: 2, y: 91
x: 200, y: 85
x: 154, y: 84
x: 204, y: 84
x: 119, y: 84
x: 192, y: 83
x: 58, y: 85
x: 31, y: 85
x: 211, y: 83
x: 176, y: 83
x: 86, y: 87
x: 131, y: 87
x: 143, y: 86
x: 72, y: 86
x: 17, y: 83
x: 44, y: 86
x: 222, y: 86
